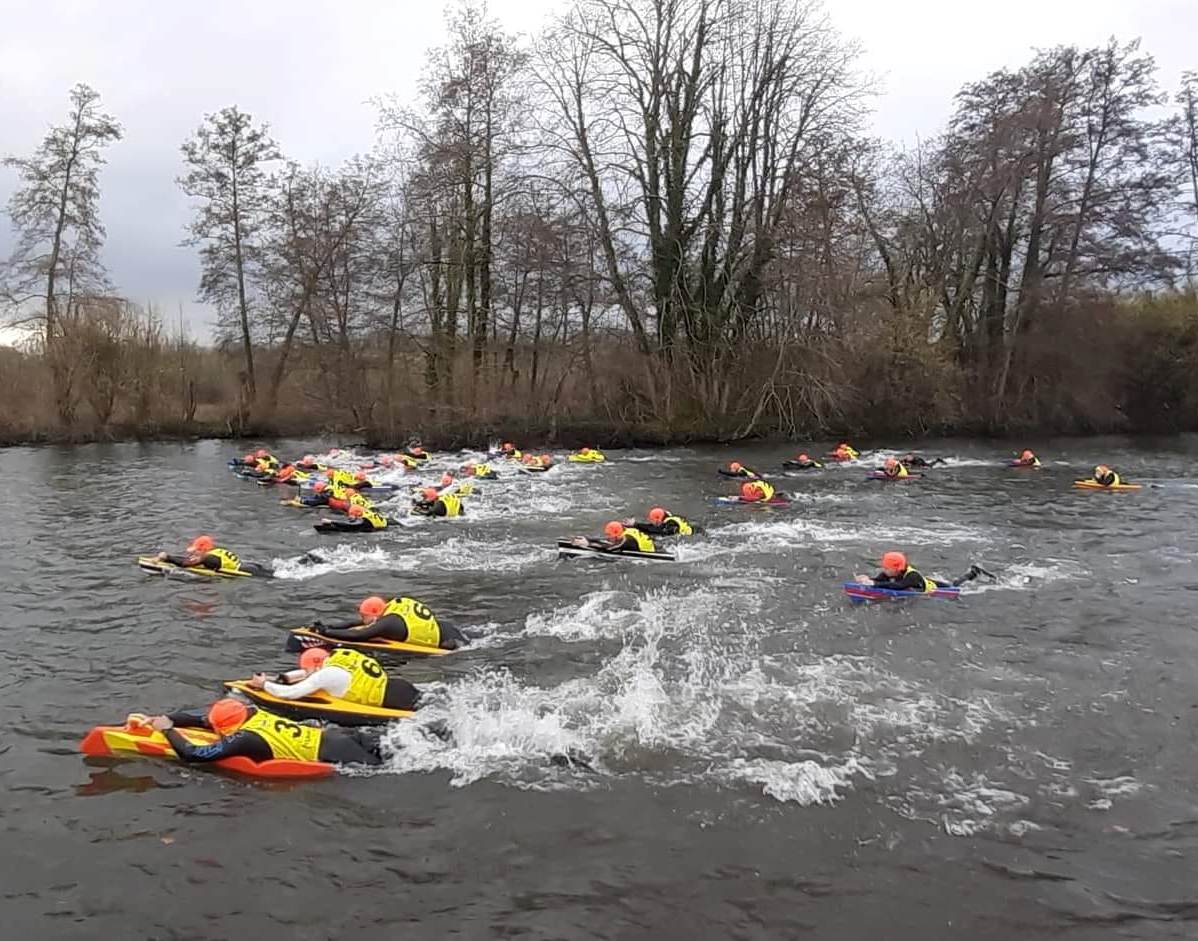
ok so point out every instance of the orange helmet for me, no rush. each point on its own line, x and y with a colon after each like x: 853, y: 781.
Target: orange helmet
x: 309, y: 458
x: 261, y: 452
x: 313, y: 658
x: 227, y: 715
x: 372, y: 607
x: 750, y: 490
x: 614, y: 529
x: 894, y: 560
x: 320, y: 486
x: 891, y: 463
x: 355, y: 510
x: 1027, y: 455
x: 735, y: 467
x: 804, y: 457
x: 359, y: 475
x: 546, y: 458
x: 429, y: 494
x: 202, y: 544
x: 657, y: 514
x: 249, y: 458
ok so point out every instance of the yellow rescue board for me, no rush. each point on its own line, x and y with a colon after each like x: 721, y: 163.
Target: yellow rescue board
x: 1095, y: 485
x: 321, y: 706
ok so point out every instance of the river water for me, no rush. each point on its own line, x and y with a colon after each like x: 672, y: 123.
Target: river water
x: 765, y: 761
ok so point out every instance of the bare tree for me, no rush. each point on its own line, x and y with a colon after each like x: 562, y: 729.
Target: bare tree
x: 226, y: 162
x: 55, y: 211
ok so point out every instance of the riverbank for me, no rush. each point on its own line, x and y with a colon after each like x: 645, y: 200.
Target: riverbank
x: 561, y: 435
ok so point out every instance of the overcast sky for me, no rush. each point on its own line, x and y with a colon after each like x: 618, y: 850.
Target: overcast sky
x: 310, y: 70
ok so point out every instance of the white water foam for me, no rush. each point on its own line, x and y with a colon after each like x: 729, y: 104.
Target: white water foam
x: 455, y: 553
x: 687, y: 686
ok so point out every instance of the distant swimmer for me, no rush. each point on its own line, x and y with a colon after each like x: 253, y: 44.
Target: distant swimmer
x: 844, y: 452
x: 401, y: 619
x: 259, y: 735
x: 619, y: 538
x: 587, y: 456
x: 757, y: 491
x: 203, y: 552
x: 539, y: 462
x: 897, y: 575
x: 1027, y: 458
x: 430, y: 502
x: 365, y: 518
x: 309, y: 464
x: 360, y: 481
x: 343, y: 674
x: 316, y: 495
x: 342, y: 498
x: 894, y: 469
x: 915, y: 460
x: 802, y: 462
x: 737, y: 469
x: 509, y: 451
x: 662, y: 523
x: 415, y: 452
x: 265, y: 461
x: 1105, y: 477
x: 479, y: 471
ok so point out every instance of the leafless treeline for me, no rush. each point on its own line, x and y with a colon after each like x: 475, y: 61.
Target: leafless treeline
x: 665, y: 214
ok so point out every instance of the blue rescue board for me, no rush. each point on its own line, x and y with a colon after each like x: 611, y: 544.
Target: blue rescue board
x: 860, y: 594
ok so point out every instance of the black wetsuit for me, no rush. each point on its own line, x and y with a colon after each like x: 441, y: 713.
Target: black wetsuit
x: 314, y: 499
x: 667, y: 527
x: 803, y: 465
x: 400, y: 694
x: 436, y: 508
x: 388, y: 627
x: 354, y: 525
x: 914, y: 460
x: 747, y: 472
x: 212, y: 563
x: 340, y: 746
x: 914, y: 581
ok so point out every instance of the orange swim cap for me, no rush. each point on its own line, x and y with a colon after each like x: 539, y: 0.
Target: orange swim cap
x: 429, y: 494
x: 227, y: 715
x: 734, y: 467
x: 313, y: 658
x: 894, y: 560
x: 372, y: 607
x: 657, y: 514
x: 355, y: 510
x: 614, y: 529
x: 202, y: 544
x: 750, y: 490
